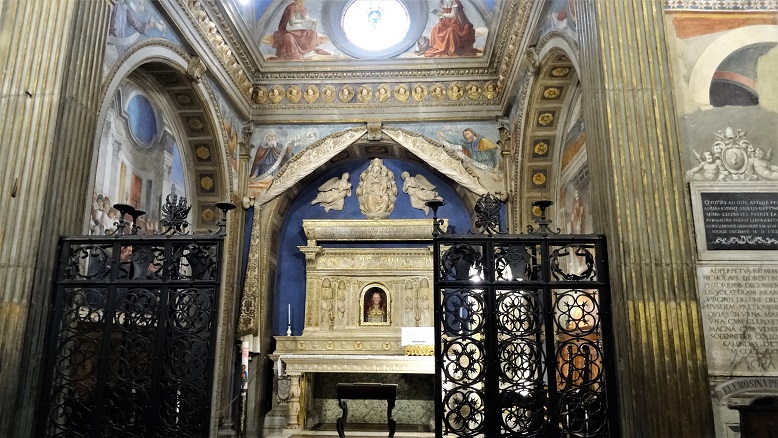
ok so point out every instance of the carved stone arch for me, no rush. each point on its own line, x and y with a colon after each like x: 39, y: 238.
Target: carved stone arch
x: 432, y: 153
x: 203, y: 146
x: 548, y: 96
x: 168, y: 64
x: 316, y: 160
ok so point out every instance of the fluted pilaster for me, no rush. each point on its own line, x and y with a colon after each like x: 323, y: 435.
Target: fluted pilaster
x: 48, y: 110
x: 635, y: 161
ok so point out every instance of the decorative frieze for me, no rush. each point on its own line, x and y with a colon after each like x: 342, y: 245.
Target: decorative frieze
x: 721, y: 5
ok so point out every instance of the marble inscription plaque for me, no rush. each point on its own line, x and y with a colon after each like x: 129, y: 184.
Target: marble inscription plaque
x: 737, y: 221
x: 739, y: 306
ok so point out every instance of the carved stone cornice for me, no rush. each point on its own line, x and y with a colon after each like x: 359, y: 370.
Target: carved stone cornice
x: 227, y: 33
x: 200, y: 17
x: 368, y: 229
x: 508, y: 46
x: 310, y: 252
x: 356, y: 261
x: 341, y: 363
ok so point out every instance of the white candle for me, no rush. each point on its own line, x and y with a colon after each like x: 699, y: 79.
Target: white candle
x: 289, y: 316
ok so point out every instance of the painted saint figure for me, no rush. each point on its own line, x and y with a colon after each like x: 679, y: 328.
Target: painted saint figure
x: 479, y: 148
x: 332, y: 194
x: 269, y: 157
x: 296, y: 36
x: 375, y: 307
x: 453, y: 35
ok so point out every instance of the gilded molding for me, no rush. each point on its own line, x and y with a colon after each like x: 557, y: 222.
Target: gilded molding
x: 250, y: 300
x: 729, y: 5
x: 226, y: 30
x: 451, y: 95
x: 210, y: 32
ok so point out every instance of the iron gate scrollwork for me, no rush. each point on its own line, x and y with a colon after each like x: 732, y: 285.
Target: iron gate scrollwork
x: 132, y: 336
x: 524, y: 345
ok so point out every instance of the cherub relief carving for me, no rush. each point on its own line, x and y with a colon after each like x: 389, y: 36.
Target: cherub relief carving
x: 332, y: 194
x: 733, y: 158
x: 420, y: 190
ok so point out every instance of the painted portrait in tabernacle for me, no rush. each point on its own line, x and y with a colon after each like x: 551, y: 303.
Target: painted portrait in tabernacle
x: 375, y: 306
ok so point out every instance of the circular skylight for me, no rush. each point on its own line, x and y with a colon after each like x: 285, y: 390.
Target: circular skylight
x: 375, y: 25
x: 374, y: 29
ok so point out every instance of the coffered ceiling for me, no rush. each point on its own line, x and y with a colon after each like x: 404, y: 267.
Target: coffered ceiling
x: 365, y: 59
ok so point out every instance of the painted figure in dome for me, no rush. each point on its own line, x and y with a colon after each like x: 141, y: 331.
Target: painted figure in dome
x: 296, y: 36
x: 453, y: 35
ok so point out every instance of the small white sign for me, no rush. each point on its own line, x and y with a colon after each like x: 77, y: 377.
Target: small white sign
x: 418, y: 336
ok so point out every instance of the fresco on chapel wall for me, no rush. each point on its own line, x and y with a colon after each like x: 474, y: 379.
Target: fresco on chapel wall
x: 574, y: 196
x: 273, y: 146
x: 131, y: 22
x: 232, y: 124
x: 474, y: 142
x: 138, y: 162
x: 300, y: 30
x: 725, y: 69
x: 559, y: 16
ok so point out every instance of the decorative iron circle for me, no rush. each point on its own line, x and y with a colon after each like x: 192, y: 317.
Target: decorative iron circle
x: 463, y: 311
x: 521, y: 363
x: 465, y: 411
x: 583, y: 413
x: 562, y: 263
x: 518, y: 312
x: 523, y: 412
x: 577, y: 312
x: 580, y: 363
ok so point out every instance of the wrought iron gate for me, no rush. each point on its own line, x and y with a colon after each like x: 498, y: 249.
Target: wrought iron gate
x: 132, y: 335
x: 524, y: 341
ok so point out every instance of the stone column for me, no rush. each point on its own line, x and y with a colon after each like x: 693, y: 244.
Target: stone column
x: 294, y: 401
x: 52, y: 56
x: 642, y: 206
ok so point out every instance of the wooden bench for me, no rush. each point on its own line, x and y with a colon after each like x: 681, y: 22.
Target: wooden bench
x: 366, y: 391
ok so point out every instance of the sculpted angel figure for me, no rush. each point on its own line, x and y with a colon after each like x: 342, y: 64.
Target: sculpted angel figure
x: 332, y: 194
x: 420, y: 190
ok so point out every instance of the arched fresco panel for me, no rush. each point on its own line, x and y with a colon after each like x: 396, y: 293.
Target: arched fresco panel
x: 139, y: 161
